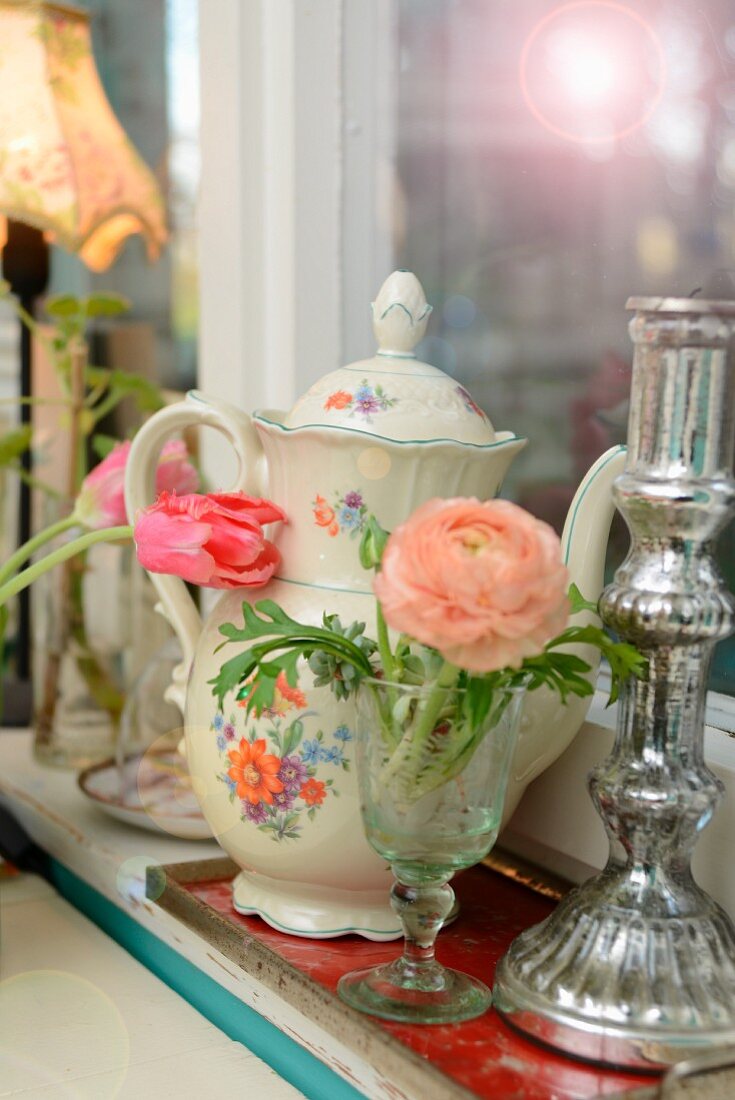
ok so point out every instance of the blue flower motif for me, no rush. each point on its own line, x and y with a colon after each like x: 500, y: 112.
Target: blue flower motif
x: 230, y: 783
x: 364, y: 391
x: 342, y: 733
x: 219, y: 721
x: 221, y: 742
x: 312, y: 752
x: 333, y: 755
x: 349, y: 518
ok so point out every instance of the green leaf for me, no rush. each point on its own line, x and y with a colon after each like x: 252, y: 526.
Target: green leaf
x: 624, y: 659
x: 293, y: 737
x: 231, y: 674
x: 372, y: 544
x: 97, y: 376
x: 287, y: 641
x: 102, y: 444
x: 15, y: 443
x: 259, y: 694
x: 147, y: 395
x: 63, y: 306
x: 578, y: 603
x: 106, y: 304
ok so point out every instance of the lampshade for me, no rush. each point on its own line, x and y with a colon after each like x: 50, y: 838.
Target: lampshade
x: 66, y: 164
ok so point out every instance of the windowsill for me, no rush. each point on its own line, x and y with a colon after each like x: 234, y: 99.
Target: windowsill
x: 111, y: 857
x: 555, y: 826
x: 91, y: 1052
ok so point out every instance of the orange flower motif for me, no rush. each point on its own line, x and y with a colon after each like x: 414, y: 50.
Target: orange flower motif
x: 313, y: 792
x: 334, y: 529
x: 340, y: 399
x: 254, y: 772
x: 323, y: 512
x: 290, y: 694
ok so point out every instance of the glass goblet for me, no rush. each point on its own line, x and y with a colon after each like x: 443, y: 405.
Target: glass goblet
x: 432, y: 775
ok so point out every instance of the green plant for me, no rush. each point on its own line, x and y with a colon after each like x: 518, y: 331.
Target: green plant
x: 87, y: 395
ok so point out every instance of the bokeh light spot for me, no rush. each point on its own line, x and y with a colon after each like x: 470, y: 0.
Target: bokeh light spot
x: 592, y: 71
x: 131, y: 879
x: 459, y: 311
x: 33, y: 1005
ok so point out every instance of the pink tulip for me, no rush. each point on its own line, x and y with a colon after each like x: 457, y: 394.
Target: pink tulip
x: 175, y: 474
x: 101, y: 500
x: 214, y: 540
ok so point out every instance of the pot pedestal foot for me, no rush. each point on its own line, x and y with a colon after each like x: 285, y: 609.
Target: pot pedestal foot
x: 316, y: 912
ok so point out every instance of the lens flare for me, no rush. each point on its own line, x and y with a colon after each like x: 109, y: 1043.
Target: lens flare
x: 36, y: 1004
x: 592, y: 71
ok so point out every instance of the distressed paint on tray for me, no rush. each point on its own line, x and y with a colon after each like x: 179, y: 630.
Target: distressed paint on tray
x: 483, y: 1056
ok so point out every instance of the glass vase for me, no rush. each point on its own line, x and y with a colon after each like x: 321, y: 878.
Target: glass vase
x: 432, y: 776
x: 94, y: 629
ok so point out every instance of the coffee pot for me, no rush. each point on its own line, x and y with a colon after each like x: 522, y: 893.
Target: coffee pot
x: 379, y: 436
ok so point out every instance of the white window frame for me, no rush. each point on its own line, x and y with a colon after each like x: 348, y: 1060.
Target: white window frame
x: 290, y: 255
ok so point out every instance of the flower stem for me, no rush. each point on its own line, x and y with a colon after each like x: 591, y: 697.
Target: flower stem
x: 29, y: 548
x: 384, y: 649
x: 408, y: 757
x: 68, y: 550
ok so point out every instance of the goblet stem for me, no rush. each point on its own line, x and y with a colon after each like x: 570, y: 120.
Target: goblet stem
x: 414, y: 987
x: 422, y: 907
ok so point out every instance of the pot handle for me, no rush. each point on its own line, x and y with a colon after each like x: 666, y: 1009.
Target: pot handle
x: 176, y: 604
x: 587, y: 527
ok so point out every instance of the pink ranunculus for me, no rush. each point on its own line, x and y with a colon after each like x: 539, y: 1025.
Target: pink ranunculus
x: 214, y: 540
x: 101, y: 500
x: 483, y: 583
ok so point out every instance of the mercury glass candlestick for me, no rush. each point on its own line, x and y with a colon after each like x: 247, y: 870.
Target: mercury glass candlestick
x: 636, y: 967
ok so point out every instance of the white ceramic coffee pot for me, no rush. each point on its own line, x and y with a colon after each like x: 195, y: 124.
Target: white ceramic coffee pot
x: 382, y: 436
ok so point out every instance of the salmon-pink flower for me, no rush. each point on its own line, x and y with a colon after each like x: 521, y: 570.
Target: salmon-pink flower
x: 101, y: 500
x: 323, y: 512
x: 313, y: 792
x: 340, y: 399
x: 215, y: 540
x: 483, y: 583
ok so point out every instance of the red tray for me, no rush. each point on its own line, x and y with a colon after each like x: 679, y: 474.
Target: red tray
x: 479, y: 1058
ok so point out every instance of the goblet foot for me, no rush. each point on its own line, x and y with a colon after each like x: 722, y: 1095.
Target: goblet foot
x: 426, y: 993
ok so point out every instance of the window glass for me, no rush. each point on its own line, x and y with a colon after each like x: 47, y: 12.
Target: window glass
x: 551, y: 160
x: 147, y: 56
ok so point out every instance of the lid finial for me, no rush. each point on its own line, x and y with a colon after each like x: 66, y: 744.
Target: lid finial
x: 400, y: 315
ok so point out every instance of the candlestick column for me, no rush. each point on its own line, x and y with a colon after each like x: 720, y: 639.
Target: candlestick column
x: 636, y: 967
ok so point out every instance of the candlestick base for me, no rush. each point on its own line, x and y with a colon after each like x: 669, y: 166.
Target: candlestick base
x: 639, y: 988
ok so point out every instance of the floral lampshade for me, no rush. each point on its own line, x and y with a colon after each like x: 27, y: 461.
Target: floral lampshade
x: 66, y: 164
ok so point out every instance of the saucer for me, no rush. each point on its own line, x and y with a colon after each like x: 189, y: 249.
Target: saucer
x: 156, y: 794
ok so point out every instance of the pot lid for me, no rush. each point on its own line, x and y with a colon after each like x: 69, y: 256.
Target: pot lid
x: 395, y: 395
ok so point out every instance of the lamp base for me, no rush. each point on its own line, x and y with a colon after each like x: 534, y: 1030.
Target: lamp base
x: 624, y: 986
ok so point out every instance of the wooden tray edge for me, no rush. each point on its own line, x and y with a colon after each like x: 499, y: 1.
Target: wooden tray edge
x: 398, y: 1064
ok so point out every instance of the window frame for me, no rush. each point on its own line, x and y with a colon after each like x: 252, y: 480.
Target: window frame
x: 289, y: 250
